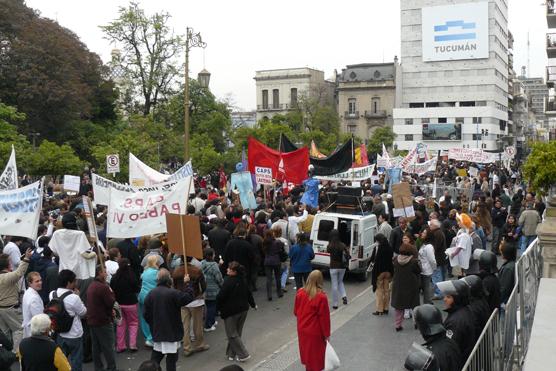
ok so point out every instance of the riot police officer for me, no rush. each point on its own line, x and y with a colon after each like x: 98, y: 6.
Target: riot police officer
x: 477, y: 303
x: 460, y: 324
x: 445, y: 352
x: 488, y: 269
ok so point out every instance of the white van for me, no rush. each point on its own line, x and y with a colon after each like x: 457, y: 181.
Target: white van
x: 356, y: 231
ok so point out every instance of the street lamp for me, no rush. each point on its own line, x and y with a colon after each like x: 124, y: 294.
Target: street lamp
x: 192, y: 40
x: 203, y: 78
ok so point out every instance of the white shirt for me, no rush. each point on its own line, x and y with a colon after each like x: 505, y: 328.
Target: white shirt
x: 69, y: 244
x: 31, y: 306
x: 75, y: 308
x: 12, y: 250
x: 427, y: 259
x: 198, y: 203
x: 111, y: 269
x: 464, y: 242
x: 293, y: 228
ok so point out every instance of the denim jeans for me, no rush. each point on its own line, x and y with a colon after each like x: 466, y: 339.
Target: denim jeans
x: 284, y: 277
x: 337, y: 280
x: 438, y: 275
x: 210, y: 317
x: 73, y: 349
x: 525, y: 241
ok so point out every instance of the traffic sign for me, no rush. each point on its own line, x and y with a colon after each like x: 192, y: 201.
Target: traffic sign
x: 113, y: 164
x: 510, y: 151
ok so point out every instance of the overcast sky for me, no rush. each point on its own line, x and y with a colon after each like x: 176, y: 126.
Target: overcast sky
x: 244, y: 36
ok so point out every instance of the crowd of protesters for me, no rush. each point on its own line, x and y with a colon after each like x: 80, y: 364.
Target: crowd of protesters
x: 446, y: 251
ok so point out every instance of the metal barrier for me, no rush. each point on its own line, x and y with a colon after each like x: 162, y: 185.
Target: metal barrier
x: 503, y: 343
x: 487, y: 353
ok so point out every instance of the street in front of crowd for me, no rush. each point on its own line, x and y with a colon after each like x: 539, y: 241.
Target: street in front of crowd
x: 271, y: 338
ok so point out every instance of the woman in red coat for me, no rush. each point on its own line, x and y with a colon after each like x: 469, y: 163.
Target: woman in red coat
x: 313, y: 322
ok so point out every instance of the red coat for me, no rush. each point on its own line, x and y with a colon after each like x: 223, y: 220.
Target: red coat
x: 313, y: 328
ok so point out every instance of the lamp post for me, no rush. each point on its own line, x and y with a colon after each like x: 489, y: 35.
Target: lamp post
x: 192, y: 40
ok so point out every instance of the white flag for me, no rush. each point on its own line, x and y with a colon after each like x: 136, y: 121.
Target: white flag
x: 8, y: 179
x: 142, y: 175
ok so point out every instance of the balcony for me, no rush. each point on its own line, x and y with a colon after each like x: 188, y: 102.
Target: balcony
x: 550, y: 106
x: 550, y: 76
x: 351, y: 115
x: 375, y: 114
x: 272, y: 107
x: 551, y: 45
x: 550, y: 14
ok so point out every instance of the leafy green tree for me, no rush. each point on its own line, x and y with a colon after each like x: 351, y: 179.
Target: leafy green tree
x: 383, y: 135
x: 9, y: 117
x: 539, y: 167
x: 203, y: 155
x: 49, y: 74
x: 151, y: 51
x: 52, y: 159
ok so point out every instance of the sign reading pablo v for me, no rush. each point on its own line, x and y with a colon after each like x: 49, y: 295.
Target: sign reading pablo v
x: 454, y: 32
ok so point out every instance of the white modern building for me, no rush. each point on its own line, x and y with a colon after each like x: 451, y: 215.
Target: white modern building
x: 453, y: 90
x: 279, y: 91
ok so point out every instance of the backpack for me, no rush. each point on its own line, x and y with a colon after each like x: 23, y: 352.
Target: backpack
x: 59, y: 316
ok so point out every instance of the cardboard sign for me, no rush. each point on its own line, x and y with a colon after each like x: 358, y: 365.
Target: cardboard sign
x: 263, y: 175
x: 403, y: 200
x: 184, y: 235
x: 71, y: 183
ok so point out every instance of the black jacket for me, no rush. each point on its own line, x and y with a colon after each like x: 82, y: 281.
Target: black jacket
x: 481, y: 313
x: 492, y: 286
x: 126, y: 287
x: 234, y: 297
x: 460, y: 327
x: 218, y: 239
x: 438, y: 241
x: 506, y: 276
x: 382, y: 258
x: 239, y: 250
x: 499, y: 217
x: 129, y: 251
x: 38, y: 353
x: 446, y: 352
x: 396, y: 238
x: 162, y: 311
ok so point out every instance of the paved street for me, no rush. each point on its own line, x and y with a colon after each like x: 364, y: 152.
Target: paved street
x: 270, y: 334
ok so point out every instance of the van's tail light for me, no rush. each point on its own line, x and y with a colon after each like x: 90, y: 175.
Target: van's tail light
x: 360, y: 255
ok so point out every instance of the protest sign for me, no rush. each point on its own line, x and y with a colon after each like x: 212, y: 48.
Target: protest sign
x: 90, y: 217
x: 403, y: 200
x: 421, y: 168
x: 263, y: 175
x: 20, y: 210
x: 144, y: 213
x: 8, y: 179
x: 142, y: 175
x: 184, y: 235
x: 354, y: 174
x: 71, y: 183
x: 475, y: 155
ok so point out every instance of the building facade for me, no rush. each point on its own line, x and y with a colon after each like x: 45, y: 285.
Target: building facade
x: 279, y: 91
x: 454, y: 75
x: 366, y: 95
x: 243, y: 119
x: 537, y: 91
x: 550, y: 100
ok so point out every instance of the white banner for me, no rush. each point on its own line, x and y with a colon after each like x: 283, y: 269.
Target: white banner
x: 102, y: 186
x: 20, y: 210
x: 475, y: 155
x: 144, y: 213
x: 8, y: 179
x: 72, y: 183
x: 141, y: 175
x: 354, y: 174
x: 421, y: 168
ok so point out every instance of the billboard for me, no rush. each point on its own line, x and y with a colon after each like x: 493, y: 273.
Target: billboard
x: 441, y: 131
x: 454, y: 32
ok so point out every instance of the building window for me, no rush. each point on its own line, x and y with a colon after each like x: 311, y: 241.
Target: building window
x: 275, y: 99
x: 433, y: 104
x: 477, y: 137
x: 442, y: 120
x: 467, y: 104
x: 265, y: 99
x: 459, y: 120
x: 351, y: 106
x: 409, y: 121
x: 416, y: 105
x: 351, y: 128
x: 426, y: 121
x: 409, y: 137
x: 375, y: 104
x: 477, y: 120
x: 293, y: 97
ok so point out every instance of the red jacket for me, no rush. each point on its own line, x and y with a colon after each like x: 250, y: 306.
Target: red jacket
x: 313, y: 328
x: 100, y: 301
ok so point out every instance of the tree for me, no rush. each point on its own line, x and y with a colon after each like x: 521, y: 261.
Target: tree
x: 203, y: 155
x: 539, y: 167
x: 49, y: 74
x: 52, y: 159
x: 151, y: 51
x: 383, y: 135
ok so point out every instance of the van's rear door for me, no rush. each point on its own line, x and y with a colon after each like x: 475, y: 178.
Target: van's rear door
x: 322, y: 226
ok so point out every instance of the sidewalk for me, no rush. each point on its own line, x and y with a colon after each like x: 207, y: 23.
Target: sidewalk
x: 362, y: 341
